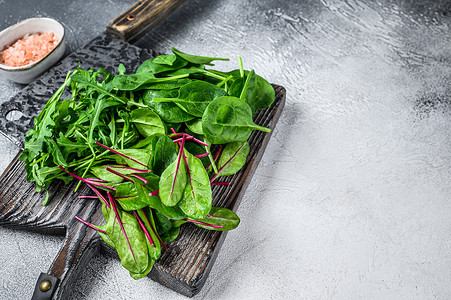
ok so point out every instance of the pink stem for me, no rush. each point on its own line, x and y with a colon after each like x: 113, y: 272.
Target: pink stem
x: 144, y: 228
x: 88, y: 197
x: 156, y: 233
x: 220, y: 183
x: 140, y: 178
x: 86, y: 181
x: 118, y: 174
x: 154, y: 193
x: 202, y: 223
x: 118, y: 153
x: 120, y: 223
x: 90, y: 225
x: 227, y: 162
x: 101, y: 197
x: 201, y: 155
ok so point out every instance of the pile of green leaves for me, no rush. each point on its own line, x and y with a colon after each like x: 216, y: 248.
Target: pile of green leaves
x: 150, y: 145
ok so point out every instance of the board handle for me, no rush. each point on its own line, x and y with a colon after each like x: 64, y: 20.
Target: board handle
x: 133, y: 23
x: 80, y: 245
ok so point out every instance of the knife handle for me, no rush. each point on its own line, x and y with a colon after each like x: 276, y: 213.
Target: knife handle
x: 141, y: 17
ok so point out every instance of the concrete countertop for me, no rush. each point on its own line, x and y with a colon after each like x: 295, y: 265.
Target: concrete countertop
x: 352, y: 197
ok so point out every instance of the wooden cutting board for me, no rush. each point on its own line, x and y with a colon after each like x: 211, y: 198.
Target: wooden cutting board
x: 185, y: 266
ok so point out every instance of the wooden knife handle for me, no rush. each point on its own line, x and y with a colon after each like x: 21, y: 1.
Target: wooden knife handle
x: 141, y: 17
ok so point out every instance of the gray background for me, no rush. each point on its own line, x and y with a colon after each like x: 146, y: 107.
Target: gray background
x: 352, y: 197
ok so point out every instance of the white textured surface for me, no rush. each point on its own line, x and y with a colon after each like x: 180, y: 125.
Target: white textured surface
x: 352, y: 197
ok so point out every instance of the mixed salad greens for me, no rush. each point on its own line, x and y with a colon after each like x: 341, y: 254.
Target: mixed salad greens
x: 150, y: 145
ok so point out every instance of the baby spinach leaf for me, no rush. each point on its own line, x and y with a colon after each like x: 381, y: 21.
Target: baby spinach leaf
x: 167, y: 85
x: 168, y: 111
x: 164, y: 60
x: 197, y: 197
x: 228, y: 119
x: 258, y: 93
x: 194, y: 97
x: 130, y: 82
x: 147, y: 122
x: 195, y: 59
x: 195, y: 126
x: 233, y: 158
x: 149, y: 66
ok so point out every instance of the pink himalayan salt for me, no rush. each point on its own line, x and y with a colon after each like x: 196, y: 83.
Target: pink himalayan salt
x: 30, y: 48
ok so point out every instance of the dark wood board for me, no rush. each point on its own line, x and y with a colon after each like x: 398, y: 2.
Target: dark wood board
x: 185, y: 266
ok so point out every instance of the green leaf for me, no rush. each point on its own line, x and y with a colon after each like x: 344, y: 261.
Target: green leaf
x: 149, y: 66
x: 233, y: 158
x: 197, y: 197
x: 228, y: 119
x: 195, y: 59
x: 195, y: 126
x: 255, y: 90
x: 173, y: 182
x: 147, y: 122
x: 165, y: 154
x: 165, y: 60
x: 194, y: 97
x: 130, y: 241
x: 168, y: 111
x: 220, y: 216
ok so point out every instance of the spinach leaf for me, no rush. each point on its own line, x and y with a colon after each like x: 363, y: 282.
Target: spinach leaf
x: 149, y: 66
x: 195, y: 126
x: 194, y: 97
x: 147, y: 122
x: 252, y: 88
x: 195, y: 59
x: 228, y: 119
x: 168, y: 111
x: 165, y: 60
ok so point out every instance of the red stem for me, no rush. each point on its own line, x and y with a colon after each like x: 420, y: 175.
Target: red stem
x: 90, y: 225
x: 144, y: 228
x: 123, y: 155
x: 86, y: 181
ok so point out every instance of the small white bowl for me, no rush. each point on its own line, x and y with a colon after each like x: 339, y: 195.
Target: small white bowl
x: 28, y: 73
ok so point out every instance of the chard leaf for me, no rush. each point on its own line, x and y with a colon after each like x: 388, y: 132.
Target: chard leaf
x: 221, y: 218
x: 130, y: 241
x: 173, y: 182
x: 233, y: 158
x: 197, y: 197
x: 165, y: 154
